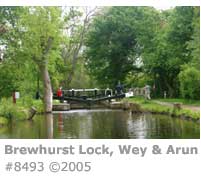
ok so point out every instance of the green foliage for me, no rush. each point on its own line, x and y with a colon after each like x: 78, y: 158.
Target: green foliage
x: 136, y: 45
x: 10, y: 75
x: 44, y: 24
x: 189, y: 79
x: 194, y: 44
x: 189, y: 113
x: 170, y: 50
x: 81, y: 77
x: 115, y: 41
x: 38, y: 104
x: 138, y: 79
x: 19, y: 111
x: 9, y: 110
x: 156, y: 108
x: 40, y: 44
x: 76, y: 22
x: 3, y: 121
x: 8, y: 80
x: 28, y: 102
x: 139, y: 44
x: 148, y: 105
x: 181, y: 100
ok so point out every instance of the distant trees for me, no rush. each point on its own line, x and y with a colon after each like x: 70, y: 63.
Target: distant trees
x: 9, y: 71
x: 76, y: 24
x: 114, y: 42
x: 142, y: 45
x: 189, y: 77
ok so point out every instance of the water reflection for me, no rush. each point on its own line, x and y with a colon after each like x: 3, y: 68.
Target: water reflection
x: 60, y: 123
x: 49, y: 122
x: 101, y: 124
x: 122, y: 124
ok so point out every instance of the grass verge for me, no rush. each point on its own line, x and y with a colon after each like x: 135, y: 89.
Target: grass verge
x: 182, y: 101
x: 3, y: 121
x: 20, y: 110
x: 150, y: 106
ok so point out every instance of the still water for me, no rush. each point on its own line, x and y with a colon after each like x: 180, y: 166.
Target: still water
x: 102, y: 124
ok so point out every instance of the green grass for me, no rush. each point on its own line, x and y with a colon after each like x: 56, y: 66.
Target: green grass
x: 179, y: 100
x: 20, y: 110
x: 3, y: 121
x: 10, y: 110
x: 150, y: 106
x: 28, y: 102
x: 137, y: 100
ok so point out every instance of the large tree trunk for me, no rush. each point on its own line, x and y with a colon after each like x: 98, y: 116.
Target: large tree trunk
x: 47, y: 98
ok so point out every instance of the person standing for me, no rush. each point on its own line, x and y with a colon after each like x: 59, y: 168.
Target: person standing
x: 147, y: 92
x: 119, y: 88
x: 60, y: 94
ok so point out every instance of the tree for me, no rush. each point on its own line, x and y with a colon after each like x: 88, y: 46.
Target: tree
x: 116, y: 40
x: 126, y: 43
x: 189, y: 79
x: 171, y: 50
x: 194, y: 43
x: 40, y: 42
x: 76, y: 22
x: 10, y: 74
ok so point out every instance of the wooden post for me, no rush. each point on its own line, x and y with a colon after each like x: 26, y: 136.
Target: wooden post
x: 177, y: 106
x: 14, y: 98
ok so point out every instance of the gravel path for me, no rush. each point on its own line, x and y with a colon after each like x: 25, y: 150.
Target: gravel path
x: 193, y: 108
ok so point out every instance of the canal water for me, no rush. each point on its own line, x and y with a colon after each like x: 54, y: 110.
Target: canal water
x: 102, y: 124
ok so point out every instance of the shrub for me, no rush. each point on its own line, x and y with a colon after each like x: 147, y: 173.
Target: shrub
x: 38, y: 104
x: 9, y: 110
x: 27, y: 101
x: 3, y: 121
x: 189, y: 79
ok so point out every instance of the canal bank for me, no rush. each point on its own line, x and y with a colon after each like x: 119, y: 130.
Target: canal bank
x: 22, y: 110
x: 134, y: 105
x: 139, y: 105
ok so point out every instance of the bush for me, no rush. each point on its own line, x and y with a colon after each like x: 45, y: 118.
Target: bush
x: 38, y: 104
x: 189, y: 79
x: 26, y: 101
x: 3, y: 121
x: 9, y: 110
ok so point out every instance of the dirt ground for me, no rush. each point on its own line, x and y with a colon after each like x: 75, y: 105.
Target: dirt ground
x: 193, y: 108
